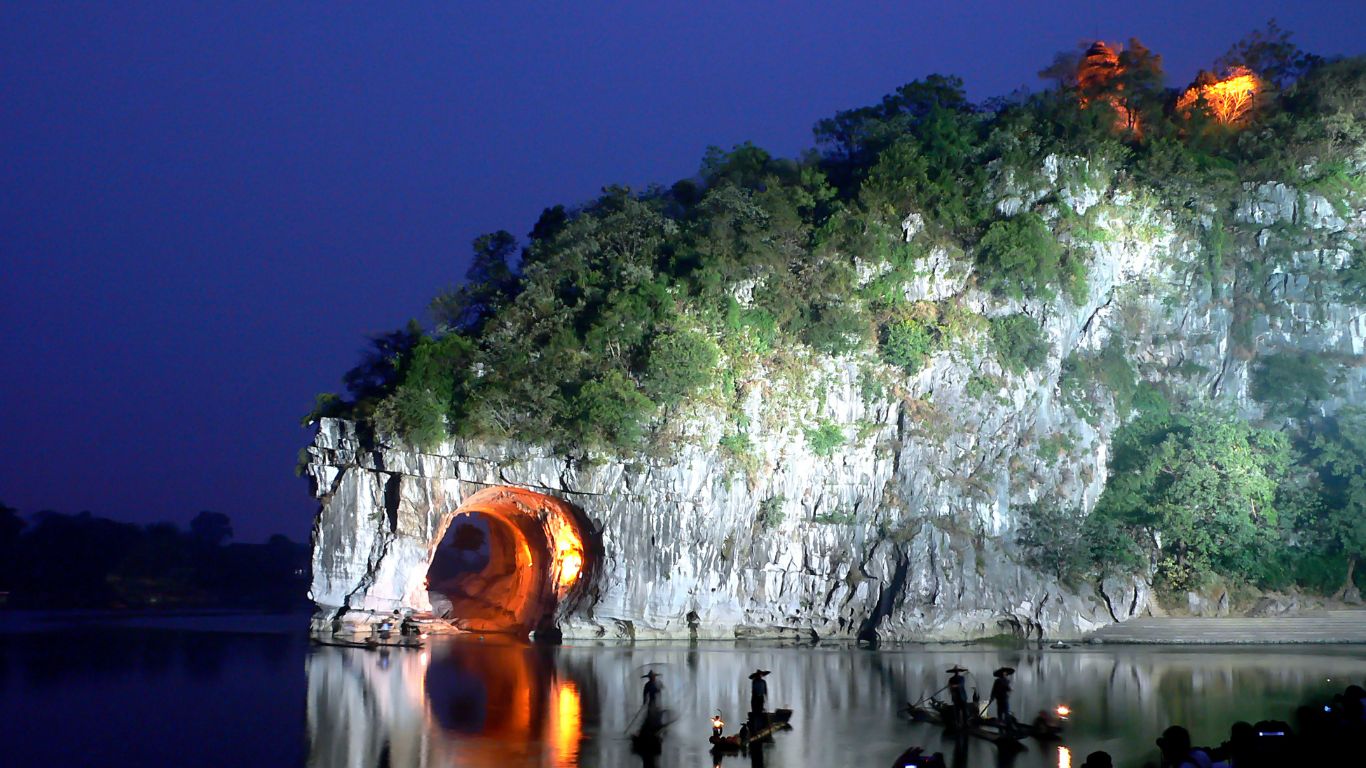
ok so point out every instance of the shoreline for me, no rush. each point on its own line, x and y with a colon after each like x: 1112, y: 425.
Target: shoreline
x: 1343, y: 627
x: 1338, y: 627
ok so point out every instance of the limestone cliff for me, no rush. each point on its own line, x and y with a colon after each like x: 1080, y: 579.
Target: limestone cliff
x: 906, y: 529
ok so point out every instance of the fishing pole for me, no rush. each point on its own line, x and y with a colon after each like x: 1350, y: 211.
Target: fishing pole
x: 924, y: 699
x: 632, y: 721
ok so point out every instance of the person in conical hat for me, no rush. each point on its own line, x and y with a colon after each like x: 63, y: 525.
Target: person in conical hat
x: 958, y: 696
x: 758, y: 690
x: 1000, y: 693
x: 652, y: 690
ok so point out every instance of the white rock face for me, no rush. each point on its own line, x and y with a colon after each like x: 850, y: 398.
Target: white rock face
x: 683, y: 539
x: 906, y: 530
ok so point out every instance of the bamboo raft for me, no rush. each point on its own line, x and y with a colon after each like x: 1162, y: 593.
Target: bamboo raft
x: 765, y: 724
x: 988, y: 729
x: 371, y: 643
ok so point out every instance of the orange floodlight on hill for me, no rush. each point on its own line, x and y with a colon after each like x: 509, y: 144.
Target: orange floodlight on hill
x: 1098, y: 67
x: 1096, y: 73
x: 1228, y: 100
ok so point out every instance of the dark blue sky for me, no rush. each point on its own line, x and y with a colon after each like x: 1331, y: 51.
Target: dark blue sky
x: 204, y: 212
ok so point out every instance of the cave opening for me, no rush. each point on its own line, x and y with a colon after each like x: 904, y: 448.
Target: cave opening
x: 509, y: 560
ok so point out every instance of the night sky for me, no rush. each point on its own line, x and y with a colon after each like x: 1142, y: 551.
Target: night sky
x: 205, y: 211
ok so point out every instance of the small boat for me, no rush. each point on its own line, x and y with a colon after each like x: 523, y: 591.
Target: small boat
x: 936, y: 712
x: 759, y: 726
x: 371, y: 643
x: 1003, y: 738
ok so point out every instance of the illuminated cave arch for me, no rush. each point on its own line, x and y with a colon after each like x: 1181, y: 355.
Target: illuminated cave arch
x: 537, y: 561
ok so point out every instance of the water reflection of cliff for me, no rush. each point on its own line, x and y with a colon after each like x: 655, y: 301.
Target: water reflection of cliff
x: 507, y: 705
x: 487, y: 703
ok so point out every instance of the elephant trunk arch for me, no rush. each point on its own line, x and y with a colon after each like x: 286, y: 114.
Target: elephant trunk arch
x: 539, y: 561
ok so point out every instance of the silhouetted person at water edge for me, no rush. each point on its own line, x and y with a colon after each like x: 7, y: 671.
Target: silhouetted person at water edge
x: 958, y: 696
x: 1000, y: 693
x: 758, y: 690
x: 651, y: 692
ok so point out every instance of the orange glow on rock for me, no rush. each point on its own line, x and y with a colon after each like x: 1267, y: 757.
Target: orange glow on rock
x: 569, y: 556
x: 536, y: 560
x: 1228, y: 100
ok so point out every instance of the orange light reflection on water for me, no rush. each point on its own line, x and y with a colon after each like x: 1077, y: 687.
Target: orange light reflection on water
x: 568, y: 726
x: 1064, y: 757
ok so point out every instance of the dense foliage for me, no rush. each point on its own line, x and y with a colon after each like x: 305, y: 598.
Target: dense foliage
x: 1204, y: 495
x: 616, y: 315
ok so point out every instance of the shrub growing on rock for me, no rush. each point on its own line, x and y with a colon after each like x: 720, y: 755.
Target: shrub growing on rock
x: 1019, y: 257
x: 680, y: 363
x: 1019, y: 342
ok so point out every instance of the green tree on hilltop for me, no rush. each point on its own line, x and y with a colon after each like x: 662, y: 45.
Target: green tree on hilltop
x: 489, y: 284
x: 1269, y: 53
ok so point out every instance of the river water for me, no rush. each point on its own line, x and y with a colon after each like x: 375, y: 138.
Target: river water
x: 251, y: 691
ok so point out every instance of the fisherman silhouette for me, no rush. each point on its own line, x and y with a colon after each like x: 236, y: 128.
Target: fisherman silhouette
x: 758, y: 690
x: 1000, y: 693
x: 647, y: 741
x: 958, y: 696
x: 651, y: 692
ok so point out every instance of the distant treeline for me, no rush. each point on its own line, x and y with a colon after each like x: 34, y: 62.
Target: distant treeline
x: 82, y: 561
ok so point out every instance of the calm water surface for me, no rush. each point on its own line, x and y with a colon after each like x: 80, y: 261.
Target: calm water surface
x: 250, y: 691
